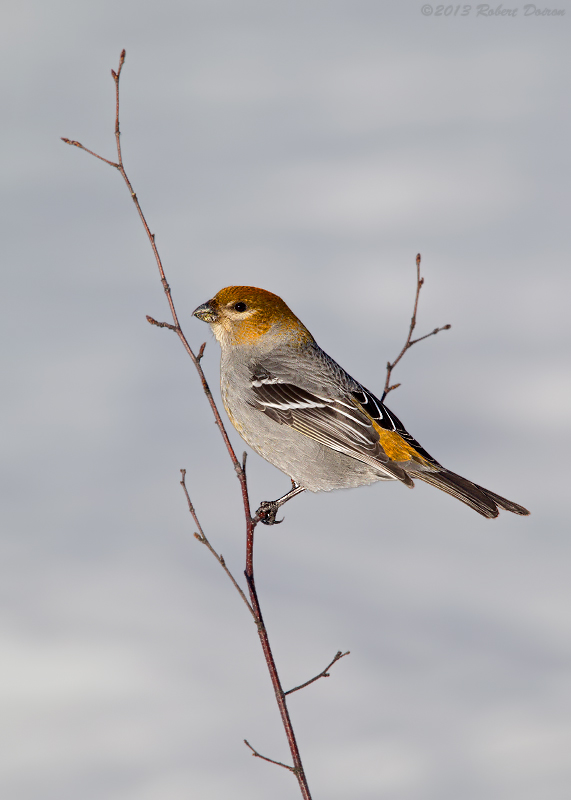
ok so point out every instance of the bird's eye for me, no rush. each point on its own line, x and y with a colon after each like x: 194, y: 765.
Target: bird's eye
x: 240, y: 307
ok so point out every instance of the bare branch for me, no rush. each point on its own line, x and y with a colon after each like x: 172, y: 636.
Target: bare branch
x: 162, y: 324
x: 254, y: 604
x: 116, y: 76
x: 271, y: 760
x: 432, y: 333
x: 176, y: 327
x: 324, y: 674
x: 91, y: 153
x: 202, y: 538
x: 409, y: 340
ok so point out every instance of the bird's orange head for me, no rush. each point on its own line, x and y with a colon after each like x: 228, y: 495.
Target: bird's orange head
x: 246, y: 315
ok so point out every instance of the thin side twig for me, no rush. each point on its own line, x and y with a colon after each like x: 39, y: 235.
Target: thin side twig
x: 91, y: 153
x: 153, y: 321
x: 324, y: 674
x: 203, y: 539
x: 265, y: 758
x: 409, y: 340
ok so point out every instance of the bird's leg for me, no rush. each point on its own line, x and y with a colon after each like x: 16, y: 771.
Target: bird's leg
x: 269, y: 508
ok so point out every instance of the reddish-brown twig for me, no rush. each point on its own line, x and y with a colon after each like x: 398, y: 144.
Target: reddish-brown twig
x: 409, y: 340
x: 265, y: 758
x: 202, y: 538
x: 240, y: 469
x: 323, y: 674
x: 151, y: 236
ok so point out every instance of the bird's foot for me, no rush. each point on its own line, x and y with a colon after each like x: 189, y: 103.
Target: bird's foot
x: 267, y: 511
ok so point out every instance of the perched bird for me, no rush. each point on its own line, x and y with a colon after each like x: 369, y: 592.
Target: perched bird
x: 297, y: 408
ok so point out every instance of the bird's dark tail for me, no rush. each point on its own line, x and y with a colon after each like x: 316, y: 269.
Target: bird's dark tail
x: 481, y: 500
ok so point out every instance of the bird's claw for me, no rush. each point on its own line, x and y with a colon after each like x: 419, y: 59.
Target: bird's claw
x: 267, y: 511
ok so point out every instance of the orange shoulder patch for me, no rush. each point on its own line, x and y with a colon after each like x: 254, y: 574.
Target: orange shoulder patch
x: 396, y: 448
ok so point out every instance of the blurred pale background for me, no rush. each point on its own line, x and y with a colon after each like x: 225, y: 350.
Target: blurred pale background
x: 312, y: 149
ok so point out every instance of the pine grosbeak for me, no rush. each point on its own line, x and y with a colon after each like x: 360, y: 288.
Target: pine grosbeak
x: 297, y: 408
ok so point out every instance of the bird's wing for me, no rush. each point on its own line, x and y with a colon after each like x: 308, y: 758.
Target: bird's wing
x: 353, y: 423
x: 359, y: 425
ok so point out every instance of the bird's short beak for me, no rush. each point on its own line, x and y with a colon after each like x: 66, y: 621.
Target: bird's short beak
x: 205, y: 312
